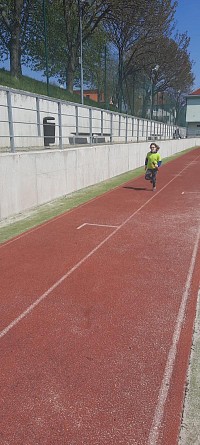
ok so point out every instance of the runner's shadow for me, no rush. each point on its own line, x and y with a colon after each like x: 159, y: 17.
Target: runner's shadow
x: 135, y: 188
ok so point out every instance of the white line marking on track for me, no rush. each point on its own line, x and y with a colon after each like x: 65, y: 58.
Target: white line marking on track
x: 164, y: 389
x: 198, y: 192
x: 55, y: 285
x: 93, y: 224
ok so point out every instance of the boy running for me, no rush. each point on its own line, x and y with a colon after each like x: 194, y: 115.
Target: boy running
x: 152, y: 163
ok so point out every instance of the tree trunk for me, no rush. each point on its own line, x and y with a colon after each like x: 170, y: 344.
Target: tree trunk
x: 15, y: 57
x: 15, y: 44
x: 71, y: 68
x: 70, y: 80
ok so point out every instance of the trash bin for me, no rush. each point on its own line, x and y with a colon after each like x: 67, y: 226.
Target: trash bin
x: 49, y: 130
x: 176, y: 134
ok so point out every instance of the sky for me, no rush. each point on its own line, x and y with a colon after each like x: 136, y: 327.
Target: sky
x: 188, y: 19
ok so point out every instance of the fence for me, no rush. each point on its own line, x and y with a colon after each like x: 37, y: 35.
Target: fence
x: 29, y: 121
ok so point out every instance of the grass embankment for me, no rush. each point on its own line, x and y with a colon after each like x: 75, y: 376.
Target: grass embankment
x: 21, y: 223
x: 28, y: 84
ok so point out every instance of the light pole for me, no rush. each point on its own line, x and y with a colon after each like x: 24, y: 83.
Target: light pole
x: 153, y: 75
x: 45, y: 44
x: 80, y: 3
x: 105, y: 76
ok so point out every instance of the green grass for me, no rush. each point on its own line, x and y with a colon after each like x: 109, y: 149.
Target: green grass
x: 28, y: 84
x: 20, y: 223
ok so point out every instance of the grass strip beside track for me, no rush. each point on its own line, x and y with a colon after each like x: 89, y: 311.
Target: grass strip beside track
x: 22, y: 222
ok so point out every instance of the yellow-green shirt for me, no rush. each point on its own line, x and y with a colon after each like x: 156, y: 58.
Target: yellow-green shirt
x: 152, y: 160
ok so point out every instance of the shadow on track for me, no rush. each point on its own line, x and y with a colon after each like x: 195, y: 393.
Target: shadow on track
x: 135, y: 188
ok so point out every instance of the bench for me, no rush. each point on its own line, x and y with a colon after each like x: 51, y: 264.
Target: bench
x: 84, y: 138
x: 154, y: 137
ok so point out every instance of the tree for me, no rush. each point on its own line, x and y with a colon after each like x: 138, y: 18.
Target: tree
x: 63, y: 35
x: 99, y: 63
x: 135, y: 24
x: 92, y: 14
x: 46, y: 44
x: 14, y: 16
x: 172, y: 56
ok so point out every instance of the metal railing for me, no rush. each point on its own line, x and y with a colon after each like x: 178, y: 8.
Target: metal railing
x: 29, y: 121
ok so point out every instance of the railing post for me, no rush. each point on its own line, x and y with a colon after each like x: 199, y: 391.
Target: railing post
x: 38, y: 115
x: 147, y: 129
x: 90, y: 119
x: 76, y: 111
x: 173, y: 131
x: 138, y: 129
x: 119, y: 129
x: 10, y: 121
x: 60, y: 125
x: 101, y: 122
x: 126, y: 135
x: 111, y: 127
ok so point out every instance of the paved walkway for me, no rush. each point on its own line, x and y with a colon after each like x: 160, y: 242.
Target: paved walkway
x: 190, y: 432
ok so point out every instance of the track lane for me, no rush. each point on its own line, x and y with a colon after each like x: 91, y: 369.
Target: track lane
x: 33, y: 256
x: 84, y: 354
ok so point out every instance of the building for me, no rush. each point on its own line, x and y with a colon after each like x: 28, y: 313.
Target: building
x: 193, y: 114
x: 92, y: 94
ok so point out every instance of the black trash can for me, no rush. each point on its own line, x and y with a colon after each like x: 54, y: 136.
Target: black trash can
x: 49, y: 130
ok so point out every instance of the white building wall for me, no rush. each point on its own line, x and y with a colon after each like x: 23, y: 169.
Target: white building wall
x: 193, y: 113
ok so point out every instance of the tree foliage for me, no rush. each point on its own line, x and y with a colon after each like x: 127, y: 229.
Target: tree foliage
x: 137, y: 35
x: 14, y: 20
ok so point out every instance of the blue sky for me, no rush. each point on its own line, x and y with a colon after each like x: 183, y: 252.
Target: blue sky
x: 188, y: 19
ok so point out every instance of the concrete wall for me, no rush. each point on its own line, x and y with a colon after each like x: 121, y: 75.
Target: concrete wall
x: 33, y: 178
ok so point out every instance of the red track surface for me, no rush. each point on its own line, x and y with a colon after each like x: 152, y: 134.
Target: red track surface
x: 97, y: 322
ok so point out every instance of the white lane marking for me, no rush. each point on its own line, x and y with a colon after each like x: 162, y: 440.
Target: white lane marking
x: 92, y: 224
x: 164, y: 389
x: 191, y: 192
x: 55, y: 285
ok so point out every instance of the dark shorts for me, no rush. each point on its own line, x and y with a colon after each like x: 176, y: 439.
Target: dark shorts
x: 151, y: 174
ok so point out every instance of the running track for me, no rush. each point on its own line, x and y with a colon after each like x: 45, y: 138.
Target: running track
x: 97, y: 320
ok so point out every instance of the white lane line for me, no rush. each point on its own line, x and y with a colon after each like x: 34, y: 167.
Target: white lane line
x: 93, y: 224
x: 164, y: 389
x: 55, y: 285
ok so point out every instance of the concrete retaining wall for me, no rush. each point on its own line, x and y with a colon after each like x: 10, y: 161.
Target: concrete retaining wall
x: 33, y: 178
